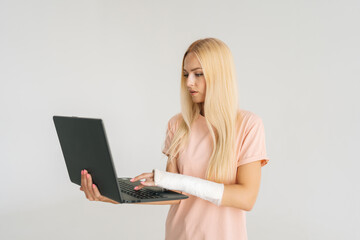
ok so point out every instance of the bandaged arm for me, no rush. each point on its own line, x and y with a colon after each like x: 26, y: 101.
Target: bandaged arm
x: 207, y: 190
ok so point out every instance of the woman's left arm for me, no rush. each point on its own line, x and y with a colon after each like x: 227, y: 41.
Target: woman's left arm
x: 240, y: 195
x: 243, y: 194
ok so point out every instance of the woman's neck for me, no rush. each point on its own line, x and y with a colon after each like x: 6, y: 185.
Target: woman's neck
x: 202, y: 109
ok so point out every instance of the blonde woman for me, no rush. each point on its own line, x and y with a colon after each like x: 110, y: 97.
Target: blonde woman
x: 215, y: 151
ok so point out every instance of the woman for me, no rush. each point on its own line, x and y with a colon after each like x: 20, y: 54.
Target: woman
x: 222, y: 182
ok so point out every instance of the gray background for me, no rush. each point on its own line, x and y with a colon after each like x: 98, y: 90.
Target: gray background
x: 298, y: 69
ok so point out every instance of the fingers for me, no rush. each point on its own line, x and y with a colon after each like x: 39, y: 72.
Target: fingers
x: 144, y: 184
x: 86, y: 185
x: 83, y: 183
x: 149, y: 181
x: 96, y: 192
x: 89, y: 185
x: 142, y: 176
x: 139, y: 187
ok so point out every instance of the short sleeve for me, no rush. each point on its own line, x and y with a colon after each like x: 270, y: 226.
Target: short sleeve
x: 171, y: 128
x: 253, y: 146
x: 168, y: 139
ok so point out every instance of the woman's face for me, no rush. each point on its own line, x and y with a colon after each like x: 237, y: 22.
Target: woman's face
x: 195, y: 80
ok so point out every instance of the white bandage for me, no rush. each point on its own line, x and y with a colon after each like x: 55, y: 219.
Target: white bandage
x: 207, y: 190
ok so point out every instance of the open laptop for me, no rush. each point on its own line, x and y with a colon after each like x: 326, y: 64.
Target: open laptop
x: 84, y: 145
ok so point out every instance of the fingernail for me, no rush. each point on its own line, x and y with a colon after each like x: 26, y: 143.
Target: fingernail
x: 82, y: 172
x: 93, y: 185
x: 131, y: 180
x: 136, y: 188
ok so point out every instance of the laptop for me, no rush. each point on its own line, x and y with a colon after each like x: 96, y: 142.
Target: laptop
x: 84, y: 145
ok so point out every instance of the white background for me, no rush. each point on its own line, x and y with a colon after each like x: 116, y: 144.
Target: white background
x: 298, y: 69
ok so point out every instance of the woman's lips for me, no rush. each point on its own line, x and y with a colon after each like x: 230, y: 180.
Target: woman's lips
x: 193, y: 93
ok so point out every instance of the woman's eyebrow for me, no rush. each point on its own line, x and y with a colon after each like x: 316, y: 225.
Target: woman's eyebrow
x: 193, y: 69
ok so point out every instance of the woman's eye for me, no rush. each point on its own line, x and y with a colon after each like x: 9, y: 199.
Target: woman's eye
x: 196, y: 74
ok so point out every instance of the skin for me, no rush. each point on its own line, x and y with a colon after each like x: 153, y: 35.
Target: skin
x: 195, y: 79
x: 241, y: 195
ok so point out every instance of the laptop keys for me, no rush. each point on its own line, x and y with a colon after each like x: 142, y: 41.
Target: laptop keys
x: 142, y: 193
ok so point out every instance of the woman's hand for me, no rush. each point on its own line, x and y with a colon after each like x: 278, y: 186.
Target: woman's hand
x: 91, y: 191
x: 149, y: 180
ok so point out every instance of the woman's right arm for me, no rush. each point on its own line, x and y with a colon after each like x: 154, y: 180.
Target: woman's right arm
x: 169, y: 168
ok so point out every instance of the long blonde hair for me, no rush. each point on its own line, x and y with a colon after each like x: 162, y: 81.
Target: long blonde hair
x: 220, y: 108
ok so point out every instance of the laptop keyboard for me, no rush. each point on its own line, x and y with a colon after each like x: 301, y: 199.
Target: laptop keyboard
x: 142, y: 193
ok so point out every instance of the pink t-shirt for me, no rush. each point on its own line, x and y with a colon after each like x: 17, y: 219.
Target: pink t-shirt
x: 198, y: 219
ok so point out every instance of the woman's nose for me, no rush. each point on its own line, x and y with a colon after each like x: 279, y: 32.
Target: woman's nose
x: 190, y: 80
